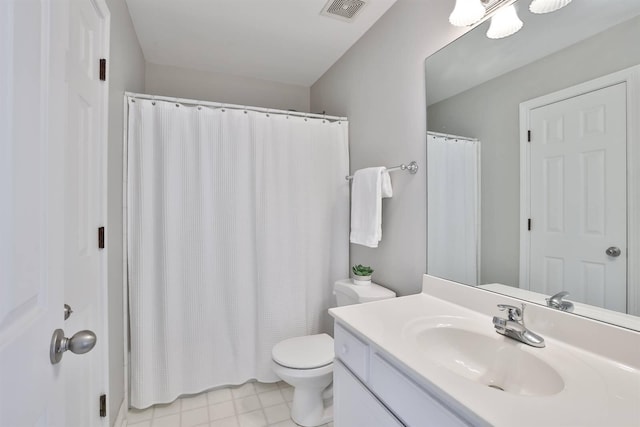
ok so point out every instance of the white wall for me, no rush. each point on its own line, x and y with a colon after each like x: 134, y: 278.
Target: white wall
x: 125, y: 73
x: 207, y: 86
x: 379, y: 85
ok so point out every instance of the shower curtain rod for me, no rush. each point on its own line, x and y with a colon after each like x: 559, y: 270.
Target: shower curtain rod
x: 448, y: 136
x: 411, y: 167
x: 195, y: 102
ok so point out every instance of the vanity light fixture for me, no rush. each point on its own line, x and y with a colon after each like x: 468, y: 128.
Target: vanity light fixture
x: 466, y: 12
x: 546, y: 6
x: 504, y: 18
x: 504, y: 23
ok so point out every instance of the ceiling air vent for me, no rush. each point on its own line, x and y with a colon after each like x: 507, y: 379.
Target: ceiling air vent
x: 344, y: 10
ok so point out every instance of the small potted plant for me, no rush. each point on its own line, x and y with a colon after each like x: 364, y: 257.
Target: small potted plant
x: 362, y: 274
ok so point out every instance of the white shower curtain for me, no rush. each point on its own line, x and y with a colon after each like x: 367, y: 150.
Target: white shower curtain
x: 453, y: 187
x: 237, y: 229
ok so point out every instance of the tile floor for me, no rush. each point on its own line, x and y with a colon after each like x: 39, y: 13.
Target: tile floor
x: 249, y: 405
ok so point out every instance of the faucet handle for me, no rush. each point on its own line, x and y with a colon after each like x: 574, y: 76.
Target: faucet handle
x: 560, y: 295
x: 514, y: 313
x: 556, y: 301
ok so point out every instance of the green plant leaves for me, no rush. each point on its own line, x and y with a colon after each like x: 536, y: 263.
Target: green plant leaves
x: 362, y: 270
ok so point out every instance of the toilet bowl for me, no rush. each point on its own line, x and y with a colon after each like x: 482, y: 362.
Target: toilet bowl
x: 306, y: 363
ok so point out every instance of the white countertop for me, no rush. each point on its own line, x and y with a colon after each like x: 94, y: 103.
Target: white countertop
x: 597, y: 391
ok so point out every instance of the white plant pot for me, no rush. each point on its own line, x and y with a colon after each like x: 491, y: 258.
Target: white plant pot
x: 362, y: 280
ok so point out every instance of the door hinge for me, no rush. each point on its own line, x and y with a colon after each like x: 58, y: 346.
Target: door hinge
x: 103, y: 405
x: 101, y: 238
x: 103, y: 69
x: 529, y: 224
x: 528, y: 136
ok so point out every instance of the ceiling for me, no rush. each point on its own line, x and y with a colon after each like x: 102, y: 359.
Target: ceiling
x: 285, y: 41
x: 540, y: 36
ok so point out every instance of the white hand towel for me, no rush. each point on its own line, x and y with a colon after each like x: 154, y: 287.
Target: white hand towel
x: 368, y: 188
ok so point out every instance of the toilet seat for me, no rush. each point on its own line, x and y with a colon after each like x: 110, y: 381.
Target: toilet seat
x: 307, y: 352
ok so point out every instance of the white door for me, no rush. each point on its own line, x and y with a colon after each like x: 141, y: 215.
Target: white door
x: 36, y: 268
x: 84, y: 202
x: 578, y: 197
x: 31, y: 212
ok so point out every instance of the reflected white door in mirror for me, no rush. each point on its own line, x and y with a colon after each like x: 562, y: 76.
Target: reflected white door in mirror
x: 574, y: 202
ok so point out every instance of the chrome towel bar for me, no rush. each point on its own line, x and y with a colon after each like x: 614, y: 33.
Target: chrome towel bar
x: 411, y: 167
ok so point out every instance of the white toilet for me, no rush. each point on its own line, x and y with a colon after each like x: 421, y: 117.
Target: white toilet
x: 306, y: 363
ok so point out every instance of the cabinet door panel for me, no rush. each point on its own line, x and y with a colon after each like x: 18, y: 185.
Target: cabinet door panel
x: 354, y: 405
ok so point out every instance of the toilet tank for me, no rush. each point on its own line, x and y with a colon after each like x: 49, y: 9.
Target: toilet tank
x: 347, y: 293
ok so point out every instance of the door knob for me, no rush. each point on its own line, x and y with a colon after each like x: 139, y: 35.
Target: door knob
x: 613, y: 251
x: 80, y: 343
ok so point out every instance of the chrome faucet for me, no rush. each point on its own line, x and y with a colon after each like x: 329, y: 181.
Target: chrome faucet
x: 513, y: 326
x: 558, y: 303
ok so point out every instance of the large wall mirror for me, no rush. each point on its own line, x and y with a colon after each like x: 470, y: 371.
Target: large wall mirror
x: 534, y: 160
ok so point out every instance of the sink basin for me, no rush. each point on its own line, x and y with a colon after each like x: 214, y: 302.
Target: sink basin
x: 497, y: 362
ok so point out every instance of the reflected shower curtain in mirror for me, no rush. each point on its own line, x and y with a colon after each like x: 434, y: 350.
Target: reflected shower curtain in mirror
x: 238, y: 225
x: 453, y: 212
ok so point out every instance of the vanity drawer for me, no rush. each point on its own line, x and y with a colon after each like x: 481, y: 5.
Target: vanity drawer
x: 409, y: 402
x: 353, y: 352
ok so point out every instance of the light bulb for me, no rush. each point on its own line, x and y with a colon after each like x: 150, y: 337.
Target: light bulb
x: 504, y: 23
x: 546, y: 6
x: 466, y: 12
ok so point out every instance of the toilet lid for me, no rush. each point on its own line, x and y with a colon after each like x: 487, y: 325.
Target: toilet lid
x: 308, y: 352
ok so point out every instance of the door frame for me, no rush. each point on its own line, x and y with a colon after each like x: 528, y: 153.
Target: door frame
x: 630, y: 76
x: 101, y: 137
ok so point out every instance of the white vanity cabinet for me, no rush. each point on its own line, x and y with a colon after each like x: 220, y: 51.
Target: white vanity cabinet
x: 370, y: 391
